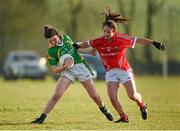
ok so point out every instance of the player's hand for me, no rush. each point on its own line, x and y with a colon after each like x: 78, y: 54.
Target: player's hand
x: 159, y: 45
x: 76, y: 45
x: 68, y: 62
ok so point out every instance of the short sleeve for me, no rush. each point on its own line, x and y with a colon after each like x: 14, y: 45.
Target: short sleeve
x: 51, y: 57
x: 94, y: 43
x: 127, y: 40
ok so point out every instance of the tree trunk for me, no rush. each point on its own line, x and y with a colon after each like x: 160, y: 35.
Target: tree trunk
x: 147, y: 49
x: 74, y: 10
x: 127, y: 27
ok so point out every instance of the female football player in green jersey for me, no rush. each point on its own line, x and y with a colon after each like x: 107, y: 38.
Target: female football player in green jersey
x: 58, y: 46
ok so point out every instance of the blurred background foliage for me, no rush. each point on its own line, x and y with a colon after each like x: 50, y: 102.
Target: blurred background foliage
x: 22, y: 21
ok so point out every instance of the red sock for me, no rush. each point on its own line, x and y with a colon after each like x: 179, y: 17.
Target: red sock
x: 142, y: 104
x: 124, y: 116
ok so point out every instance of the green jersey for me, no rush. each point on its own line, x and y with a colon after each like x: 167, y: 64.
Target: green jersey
x: 65, y: 47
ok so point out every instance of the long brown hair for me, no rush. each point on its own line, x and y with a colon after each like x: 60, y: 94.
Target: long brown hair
x: 50, y: 31
x: 112, y: 18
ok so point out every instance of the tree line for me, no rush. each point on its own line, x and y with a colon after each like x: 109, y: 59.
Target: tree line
x: 22, y: 24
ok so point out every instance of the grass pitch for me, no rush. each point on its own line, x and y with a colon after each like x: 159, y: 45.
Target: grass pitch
x: 23, y: 100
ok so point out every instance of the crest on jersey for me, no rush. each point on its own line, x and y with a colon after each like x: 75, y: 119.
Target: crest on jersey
x: 116, y: 49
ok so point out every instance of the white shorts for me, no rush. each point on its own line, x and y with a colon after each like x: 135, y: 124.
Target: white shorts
x: 78, y: 71
x: 119, y: 75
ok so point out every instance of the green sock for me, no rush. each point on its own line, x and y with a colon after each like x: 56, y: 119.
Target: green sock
x: 43, y: 116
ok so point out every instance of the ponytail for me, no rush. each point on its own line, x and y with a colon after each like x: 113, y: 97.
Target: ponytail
x: 112, y: 18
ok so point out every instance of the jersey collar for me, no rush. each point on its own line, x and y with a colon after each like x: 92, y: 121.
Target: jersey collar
x: 113, y: 38
x: 60, y: 44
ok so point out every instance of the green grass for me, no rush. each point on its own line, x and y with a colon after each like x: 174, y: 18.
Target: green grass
x: 23, y: 100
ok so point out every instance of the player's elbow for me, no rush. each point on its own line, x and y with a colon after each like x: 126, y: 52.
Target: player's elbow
x: 139, y: 40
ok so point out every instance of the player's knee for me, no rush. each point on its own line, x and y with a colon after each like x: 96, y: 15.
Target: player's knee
x: 133, y: 97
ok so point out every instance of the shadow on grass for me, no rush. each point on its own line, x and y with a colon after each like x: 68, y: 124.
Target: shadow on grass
x: 16, y: 123
x: 51, y: 123
x: 46, y: 123
x: 65, y: 123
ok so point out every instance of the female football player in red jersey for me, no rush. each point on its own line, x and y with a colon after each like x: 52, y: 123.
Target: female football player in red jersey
x: 111, y: 47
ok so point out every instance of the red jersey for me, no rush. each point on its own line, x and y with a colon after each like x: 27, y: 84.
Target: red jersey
x: 112, y: 52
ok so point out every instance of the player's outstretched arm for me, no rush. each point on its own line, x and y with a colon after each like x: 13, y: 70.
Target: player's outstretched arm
x: 144, y: 41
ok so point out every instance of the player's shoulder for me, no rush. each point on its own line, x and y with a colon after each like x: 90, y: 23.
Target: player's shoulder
x: 66, y: 38
x: 123, y: 36
x: 51, y: 49
x: 98, y: 38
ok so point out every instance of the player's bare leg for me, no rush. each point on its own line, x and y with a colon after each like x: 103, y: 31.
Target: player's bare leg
x: 135, y: 96
x: 88, y: 84
x: 112, y: 90
x: 62, y: 85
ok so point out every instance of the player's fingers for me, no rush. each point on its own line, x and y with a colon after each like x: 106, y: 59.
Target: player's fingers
x: 162, y: 47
